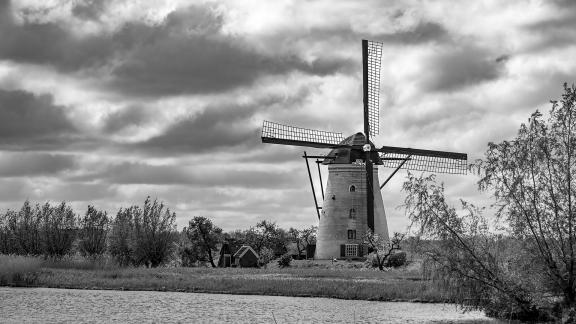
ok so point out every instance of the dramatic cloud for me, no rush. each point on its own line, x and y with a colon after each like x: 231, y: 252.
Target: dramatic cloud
x: 457, y: 67
x: 34, y: 164
x: 30, y: 120
x: 226, y: 175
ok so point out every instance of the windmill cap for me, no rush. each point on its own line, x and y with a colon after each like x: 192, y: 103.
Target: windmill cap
x: 346, y: 155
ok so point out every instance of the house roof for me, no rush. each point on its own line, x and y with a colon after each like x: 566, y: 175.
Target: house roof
x: 242, y: 250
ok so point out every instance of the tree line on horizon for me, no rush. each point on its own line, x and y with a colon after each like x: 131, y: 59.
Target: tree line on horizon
x: 136, y: 236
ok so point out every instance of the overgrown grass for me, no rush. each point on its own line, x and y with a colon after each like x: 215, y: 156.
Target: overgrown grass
x: 18, y: 270
x: 334, y: 282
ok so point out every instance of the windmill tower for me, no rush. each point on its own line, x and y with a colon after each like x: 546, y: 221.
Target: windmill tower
x: 353, y: 201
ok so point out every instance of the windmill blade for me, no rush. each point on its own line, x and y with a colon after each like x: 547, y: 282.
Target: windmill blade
x: 290, y: 135
x: 424, y: 160
x: 371, y: 59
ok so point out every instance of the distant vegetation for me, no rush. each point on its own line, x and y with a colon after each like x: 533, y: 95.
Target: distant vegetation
x: 137, y: 236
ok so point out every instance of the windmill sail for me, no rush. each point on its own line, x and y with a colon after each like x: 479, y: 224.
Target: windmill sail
x: 372, y: 84
x: 290, y: 135
x: 424, y: 160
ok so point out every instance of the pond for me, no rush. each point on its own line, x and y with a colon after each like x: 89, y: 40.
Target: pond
x: 49, y: 305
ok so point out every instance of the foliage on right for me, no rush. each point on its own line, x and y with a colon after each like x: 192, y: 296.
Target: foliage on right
x: 523, y: 265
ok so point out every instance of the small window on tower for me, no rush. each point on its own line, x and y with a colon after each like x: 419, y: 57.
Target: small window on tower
x: 351, y: 234
x: 352, y: 188
x: 352, y: 213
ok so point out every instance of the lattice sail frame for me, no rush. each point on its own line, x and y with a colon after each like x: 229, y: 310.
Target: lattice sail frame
x: 291, y: 133
x: 433, y: 164
x: 374, y: 62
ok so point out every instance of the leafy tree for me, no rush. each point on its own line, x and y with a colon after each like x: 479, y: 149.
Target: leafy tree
x: 154, y: 236
x: 121, y: 242
x: 93, y: 228
x: 205, y: 235
x: 58, y: 229
x: 24, y: 230
x: 381, y: 248
x: 266, y: 255
x: 143, y: 236
x: 302, y: 238
x: 189, y: 254
x: 267, y: 234
x: 525, y: 264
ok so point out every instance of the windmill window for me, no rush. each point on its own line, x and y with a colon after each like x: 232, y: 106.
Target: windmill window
x: 351, y: 250
x: 352, y: 188
x: 352, y: 213
x: 351, y: 234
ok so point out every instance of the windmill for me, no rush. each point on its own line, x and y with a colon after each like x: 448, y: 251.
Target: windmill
x: 353, y: 201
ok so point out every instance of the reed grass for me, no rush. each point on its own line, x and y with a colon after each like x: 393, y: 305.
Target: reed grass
x: 18, y: 270
x: 394, y: 285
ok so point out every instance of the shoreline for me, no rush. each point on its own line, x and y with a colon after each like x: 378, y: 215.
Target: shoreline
x: 240, y: 293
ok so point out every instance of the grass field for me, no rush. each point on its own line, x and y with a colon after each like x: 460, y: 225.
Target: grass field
x: 305, y: 278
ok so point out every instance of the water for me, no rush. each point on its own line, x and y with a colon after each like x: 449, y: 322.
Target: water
x: 48, y: 305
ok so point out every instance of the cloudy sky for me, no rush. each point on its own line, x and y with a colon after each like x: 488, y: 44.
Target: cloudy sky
x: 107, y: 102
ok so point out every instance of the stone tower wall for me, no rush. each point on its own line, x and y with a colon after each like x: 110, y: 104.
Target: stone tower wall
x: 335, y: 218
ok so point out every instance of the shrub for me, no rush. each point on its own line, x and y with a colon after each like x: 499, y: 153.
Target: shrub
x: 121, y: 237
x: 266, y: 255
x: 285, y: 260
x: 93, y: 230
x: 143, y: 236
x: 396, y: 260
x: 59, y: 229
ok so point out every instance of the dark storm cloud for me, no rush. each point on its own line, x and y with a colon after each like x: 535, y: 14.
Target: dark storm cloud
x: 212, y: 129
x: 219, y: 127
x: 34, y: 164
x: 186, y: 53
x: 30, y: 120
x: 178, y: 58
x: 51, y: 44
x: 462, y: 67
x: 140, y: 173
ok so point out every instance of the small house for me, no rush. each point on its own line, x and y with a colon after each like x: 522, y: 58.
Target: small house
x: 225, y: 259
x: 246, y: 257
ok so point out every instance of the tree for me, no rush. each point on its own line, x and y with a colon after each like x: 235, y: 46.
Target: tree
x: 266, y: 255
x: 154, y: 233
x: 93, y: 227
x: 381, y: 248
x: 24, y: 230
x: 267, y: 234
x: 58, y: 229
x: 202, y: 233
x: 121, y: 243
x: 302, y: 238
x: 143, y: 236
x: 526, y: 261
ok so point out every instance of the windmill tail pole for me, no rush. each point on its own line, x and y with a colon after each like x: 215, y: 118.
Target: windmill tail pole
x: 312, y: 185
x: 320, y: 175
